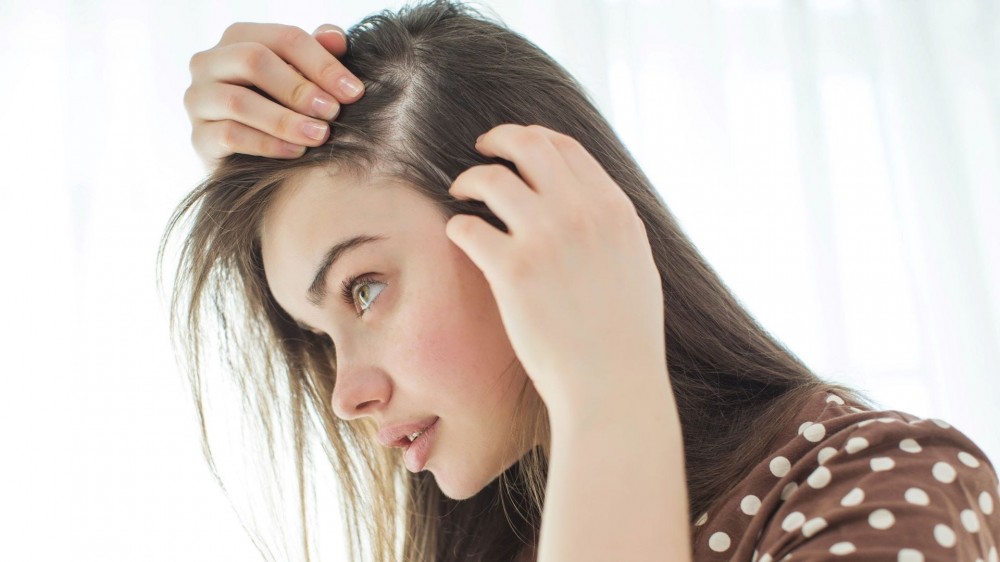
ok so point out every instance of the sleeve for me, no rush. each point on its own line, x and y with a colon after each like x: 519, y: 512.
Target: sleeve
x: 891, y: 489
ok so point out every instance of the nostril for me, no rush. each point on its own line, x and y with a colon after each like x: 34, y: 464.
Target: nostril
x: 363, y: 405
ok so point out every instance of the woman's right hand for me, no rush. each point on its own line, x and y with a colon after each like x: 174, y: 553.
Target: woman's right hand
x: 300, y: 72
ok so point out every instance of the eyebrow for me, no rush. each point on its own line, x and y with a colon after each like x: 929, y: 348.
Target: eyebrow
x: 317, y: 290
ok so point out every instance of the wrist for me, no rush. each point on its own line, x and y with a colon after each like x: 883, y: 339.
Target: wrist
x: 632, y: 400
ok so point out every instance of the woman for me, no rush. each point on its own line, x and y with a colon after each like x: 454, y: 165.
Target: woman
x: 467, y: 256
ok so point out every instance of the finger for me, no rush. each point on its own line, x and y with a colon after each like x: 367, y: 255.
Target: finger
x: 593, y: 181
x: 581, y: 162
x: 507, y: 196
x: 486, y: 246
x: 252, y: 64
x: 530, y: 149
x: 332, y: 38
x: 220, y: 102
x: 218, y: 139
x: 304, y: 52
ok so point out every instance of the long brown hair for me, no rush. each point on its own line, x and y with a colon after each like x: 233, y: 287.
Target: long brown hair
x: 437, y: 75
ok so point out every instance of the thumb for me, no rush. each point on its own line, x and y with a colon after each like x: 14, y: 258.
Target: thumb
x: 332, y: 38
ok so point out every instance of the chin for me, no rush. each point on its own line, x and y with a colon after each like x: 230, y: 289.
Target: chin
x: 461, y: 482
x: 457, y: 490
x: 464, y: 488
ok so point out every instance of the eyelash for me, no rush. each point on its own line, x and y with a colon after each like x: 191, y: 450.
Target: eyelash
x: 348, y: 290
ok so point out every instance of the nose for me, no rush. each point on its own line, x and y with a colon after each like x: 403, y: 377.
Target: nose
x: 360, y: 388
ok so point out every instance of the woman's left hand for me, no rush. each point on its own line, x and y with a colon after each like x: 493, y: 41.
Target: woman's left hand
x: 574, y: 278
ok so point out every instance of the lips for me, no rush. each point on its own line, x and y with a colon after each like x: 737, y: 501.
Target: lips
x: 417, y: 453
x: 396, y: 436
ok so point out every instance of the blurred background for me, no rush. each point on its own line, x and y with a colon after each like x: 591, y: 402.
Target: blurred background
x: 837, y: 162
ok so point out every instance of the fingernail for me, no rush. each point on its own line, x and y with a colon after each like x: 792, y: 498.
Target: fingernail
x: 332, y: 30
x: 351, y: 86
x: 314, y: 130
x: 324, y: 107
x: 479, y: 138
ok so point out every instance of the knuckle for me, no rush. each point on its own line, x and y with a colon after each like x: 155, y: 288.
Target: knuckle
x: 536, y: 129
x: 301, y: 93
x: 255, y: 59
x: 232, y: 29
x: 189, y: 99
x: 533, y: 138
x: 517, y: 266
x: 330, y: 71
x: 194, y: 65
x: 234, y: 32
x: 226, y: 136
x: 577, y: 221
x: 622, y: 210
x: 287, y: 124
x: 234, y: 101
x: 565, y: 142
x: 494, y: 173
x: 292, y: 36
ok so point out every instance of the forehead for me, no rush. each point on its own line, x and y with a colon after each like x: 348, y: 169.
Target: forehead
x: 319, y: 208
x: 319, y: 199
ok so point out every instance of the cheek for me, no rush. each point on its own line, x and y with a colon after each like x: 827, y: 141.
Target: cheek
x: 459, y: 345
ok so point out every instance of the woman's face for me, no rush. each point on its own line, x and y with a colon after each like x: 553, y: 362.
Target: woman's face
x: 430, y: 342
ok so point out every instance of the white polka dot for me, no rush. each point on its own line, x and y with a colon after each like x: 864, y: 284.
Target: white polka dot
x: 819, y: 478
x: 916, y: 496
x: 788, y: 490
x: 750, y: 504
x: 815, y: 432
x: 881, y: 519
x: 881, y: 464
x: 856, y: 410
x: 813, y: 526
x: 943, y: 472
x: 780, y: 466
x: 842, y: 548
x: 910, y: 446
x: 941, y: 423
x: 766, y: 558
x: 854, y: 497
x: 944, y: 535
x: 754, y: 559
x: 825, y: 453
x: 855, y: 444
x: 968, y: 460
x: 910, y: 555
x: 992, y: 556
x: 887, y: 420
x: 701, y: 520
x: 804, y: 426
x: 794, y: 520
x: 719, y: 542
x: 835, y: 398
x: 986, y: 503
x: 970, y: 520
x: 866, y: 422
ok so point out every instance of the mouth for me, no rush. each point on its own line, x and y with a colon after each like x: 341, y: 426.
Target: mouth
x: 419, y: 449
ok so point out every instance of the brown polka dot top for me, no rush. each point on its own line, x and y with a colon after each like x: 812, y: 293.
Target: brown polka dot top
x: 852, y: 484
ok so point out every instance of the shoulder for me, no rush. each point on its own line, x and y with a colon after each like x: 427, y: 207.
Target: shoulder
x: 874, y: 484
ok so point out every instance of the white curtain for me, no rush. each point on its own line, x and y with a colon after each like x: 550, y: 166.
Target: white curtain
x: 837, y: 162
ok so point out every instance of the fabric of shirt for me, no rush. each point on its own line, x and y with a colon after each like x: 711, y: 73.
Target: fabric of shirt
x: 845, y: 483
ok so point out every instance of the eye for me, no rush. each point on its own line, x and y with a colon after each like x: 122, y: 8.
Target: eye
x: 364, y: 295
